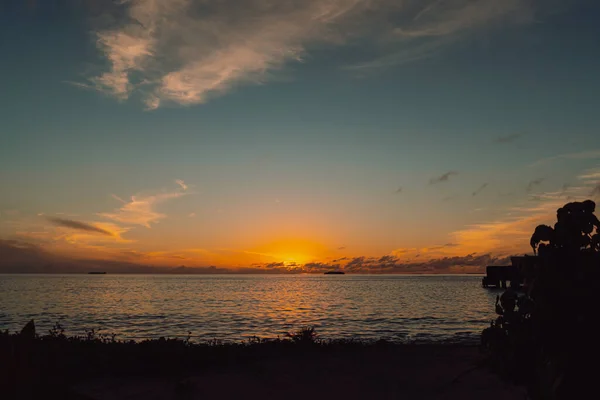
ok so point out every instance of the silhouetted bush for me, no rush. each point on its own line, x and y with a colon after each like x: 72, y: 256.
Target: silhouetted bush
x: 51, y: 363
x: 305, y: 335
x: 546, y: 340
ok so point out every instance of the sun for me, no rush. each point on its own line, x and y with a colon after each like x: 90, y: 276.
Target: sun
x: 291, y: 260
x: 291, y: 264
x: 292, y: 252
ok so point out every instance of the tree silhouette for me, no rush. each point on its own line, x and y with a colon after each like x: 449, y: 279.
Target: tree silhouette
x: 573, y: 230
x: 543, y: 337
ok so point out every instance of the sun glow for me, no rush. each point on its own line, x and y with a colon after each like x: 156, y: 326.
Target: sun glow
x: 291, y: 251
x: 292, y: 264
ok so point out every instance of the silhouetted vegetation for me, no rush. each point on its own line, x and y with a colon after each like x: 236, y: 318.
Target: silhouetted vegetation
x: 31, y: 363
x: 543, y: 338
x: 305, y: 335
x: 56, y: 365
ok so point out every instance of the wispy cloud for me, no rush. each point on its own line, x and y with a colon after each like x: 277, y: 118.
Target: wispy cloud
x: 82, y: 240
x: 533, y: 183
x: 595, y: 191
x: 427, y: 27
x: 185, y: 51
x: 510, y: 233
x: 69, y: 223
x: 402, y: 52
x: 580, y: 155
x: 69, y: 236
x: 590, y: 175
x: 442, y: 178
x: 181, y: 183
x: 114, y: 196
x: 442, y: 18
x: 431, y: 251
x: 479, y: 189
x: 508, y: 138
x: 10, y: 212
x: 141, y: 210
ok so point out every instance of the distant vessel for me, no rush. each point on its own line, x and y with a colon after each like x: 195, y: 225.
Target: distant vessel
x: 97, y: 272
x: 334, y: 273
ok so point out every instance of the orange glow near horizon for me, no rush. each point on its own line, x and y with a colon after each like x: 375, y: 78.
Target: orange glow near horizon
x: 157, y: 236
x: 290, y: 251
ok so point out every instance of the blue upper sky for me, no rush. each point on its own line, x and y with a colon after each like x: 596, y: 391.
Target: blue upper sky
x: 374, y: 124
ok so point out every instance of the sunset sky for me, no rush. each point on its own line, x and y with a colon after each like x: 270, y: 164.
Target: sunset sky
x: 303, y: 135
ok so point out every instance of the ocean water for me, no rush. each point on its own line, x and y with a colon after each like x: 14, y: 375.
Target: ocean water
x: 235, y: 307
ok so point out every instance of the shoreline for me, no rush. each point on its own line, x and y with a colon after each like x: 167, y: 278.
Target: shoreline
x: 298, y: 366
x: 462, y: 338
x: 252, y: 273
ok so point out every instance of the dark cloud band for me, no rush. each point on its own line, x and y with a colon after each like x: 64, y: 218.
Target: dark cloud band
x: 82, y: 226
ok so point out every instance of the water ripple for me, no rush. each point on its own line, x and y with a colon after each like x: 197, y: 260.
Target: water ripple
x: 233, y: 308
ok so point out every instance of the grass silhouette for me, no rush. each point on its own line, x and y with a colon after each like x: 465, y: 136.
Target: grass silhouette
x: 33, y: 364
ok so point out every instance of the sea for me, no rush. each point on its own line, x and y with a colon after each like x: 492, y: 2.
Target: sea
x: 234, y: 308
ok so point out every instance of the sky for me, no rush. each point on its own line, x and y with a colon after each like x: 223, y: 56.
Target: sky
x: 426, y: 136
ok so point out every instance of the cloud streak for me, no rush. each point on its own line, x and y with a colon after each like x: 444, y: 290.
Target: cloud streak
x: 509, y: 234
x: 187, y: 51
x: 479, y: 189
x: 182, y: 184
x: 590, y: 175
x: 82, y: 226
x: 141, y: 210
x: 508, y: 138
x: 442, y: 178
x: 595, y: 191
x: 580, y: 155
x: 427, y: 27
x: 533, y: 183
x: 443, y: 18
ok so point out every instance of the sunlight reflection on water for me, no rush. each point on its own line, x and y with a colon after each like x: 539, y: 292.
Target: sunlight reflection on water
x: 234, y: 307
